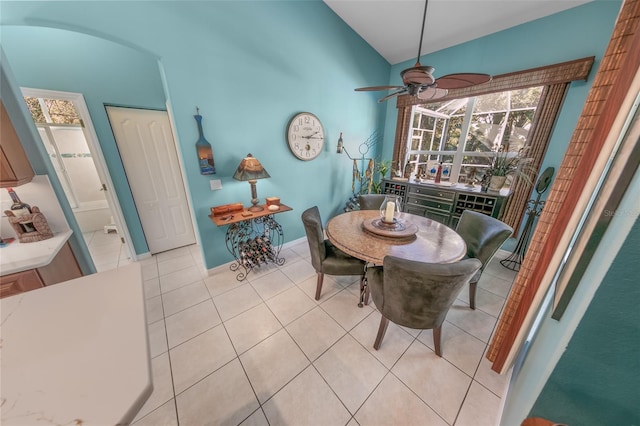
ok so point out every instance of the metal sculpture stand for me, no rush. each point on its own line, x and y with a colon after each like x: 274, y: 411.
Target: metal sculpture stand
x: 361, y: 175
x: 534, y: 209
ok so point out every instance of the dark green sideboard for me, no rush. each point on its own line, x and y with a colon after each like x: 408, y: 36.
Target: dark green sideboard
x: 445, y: 203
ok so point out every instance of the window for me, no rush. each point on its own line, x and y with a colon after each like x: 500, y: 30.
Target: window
x: 54, y: 111
x: 464, y: 133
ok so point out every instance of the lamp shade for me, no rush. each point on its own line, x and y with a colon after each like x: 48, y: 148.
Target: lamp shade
x: 250, y: 169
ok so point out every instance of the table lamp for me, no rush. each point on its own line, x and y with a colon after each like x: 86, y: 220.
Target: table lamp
x: 251, y: 170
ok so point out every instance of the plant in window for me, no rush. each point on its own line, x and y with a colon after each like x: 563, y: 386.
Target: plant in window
x: 505, y: 163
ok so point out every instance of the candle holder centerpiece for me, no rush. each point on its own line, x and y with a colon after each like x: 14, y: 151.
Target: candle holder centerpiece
x: 388, y: 223
x: 390, y: 211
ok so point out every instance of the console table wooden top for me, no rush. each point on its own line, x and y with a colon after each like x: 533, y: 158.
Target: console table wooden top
x: 245, y: 214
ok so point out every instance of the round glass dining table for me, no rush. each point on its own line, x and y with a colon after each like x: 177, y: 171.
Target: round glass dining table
x: 432, y: 243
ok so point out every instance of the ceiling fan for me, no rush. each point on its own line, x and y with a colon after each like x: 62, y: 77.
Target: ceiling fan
x: 419, y: 80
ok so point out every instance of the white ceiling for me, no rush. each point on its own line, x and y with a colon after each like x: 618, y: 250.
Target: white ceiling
x: 392, y: 27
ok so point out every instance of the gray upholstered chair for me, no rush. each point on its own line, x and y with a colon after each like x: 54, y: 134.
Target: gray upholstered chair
x: 370, y: 201
x: 325, y: 257
x: 484, y: 235
x: 417, y: 294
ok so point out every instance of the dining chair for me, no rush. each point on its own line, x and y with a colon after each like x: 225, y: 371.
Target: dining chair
x: 325, y: 257
x: 484, y: 235
x: 370, y: 201
x: 417, y: 294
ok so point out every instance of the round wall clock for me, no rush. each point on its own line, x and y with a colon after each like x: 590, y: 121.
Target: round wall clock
x: 305, y: 136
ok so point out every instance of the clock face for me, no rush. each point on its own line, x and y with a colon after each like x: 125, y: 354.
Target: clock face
x: 305, y: 136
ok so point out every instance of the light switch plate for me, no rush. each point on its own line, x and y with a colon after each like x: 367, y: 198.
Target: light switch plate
x: 215, y: 184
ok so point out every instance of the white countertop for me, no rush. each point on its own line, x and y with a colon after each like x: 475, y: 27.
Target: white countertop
x: 18, y: 257
x: 76, y: 352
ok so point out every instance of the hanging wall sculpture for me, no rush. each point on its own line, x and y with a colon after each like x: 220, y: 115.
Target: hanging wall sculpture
x: 205, y: 153
x: 362, y: 178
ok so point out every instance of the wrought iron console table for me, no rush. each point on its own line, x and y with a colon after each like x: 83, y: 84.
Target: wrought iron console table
x: 253, y: 238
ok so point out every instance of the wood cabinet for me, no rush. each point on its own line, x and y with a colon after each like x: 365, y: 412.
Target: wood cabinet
x: 63, y: 267
x: 444, y: 205
x: 19, y: 282
x: 15, y: 168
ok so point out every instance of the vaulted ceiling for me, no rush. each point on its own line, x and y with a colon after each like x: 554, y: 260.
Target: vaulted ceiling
x: 392, y: 27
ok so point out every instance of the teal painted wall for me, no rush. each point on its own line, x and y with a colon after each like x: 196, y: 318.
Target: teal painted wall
x: 596, y: 380
x: 249, y: 66
x: 575, y: 33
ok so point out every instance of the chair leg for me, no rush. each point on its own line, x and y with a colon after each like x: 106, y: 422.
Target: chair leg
x: 437, y: 335
x: 384, y: 323
x: 319, y: 284
x: 472, y: 294
x: 364, y: 292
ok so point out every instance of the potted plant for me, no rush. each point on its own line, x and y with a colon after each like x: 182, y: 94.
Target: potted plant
x: 505, y: 163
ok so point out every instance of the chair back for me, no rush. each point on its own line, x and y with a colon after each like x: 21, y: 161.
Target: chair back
x: 315, y: 236
x: 483, y: 234
x: 417, y: 294
x: 370, y: 201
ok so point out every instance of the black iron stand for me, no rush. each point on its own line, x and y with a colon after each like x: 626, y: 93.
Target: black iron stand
x: 534, y: 208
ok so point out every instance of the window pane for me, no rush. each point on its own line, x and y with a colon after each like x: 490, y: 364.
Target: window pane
x: 426, y: 122
x: 415, y: 143
x: 517, y: 129
x: 485, y: 132
x: 62, y: 112
x: 35, y: 110
x: 426, y: 141
x: 440, y: 124
x: 416, y: 121
x: 453, y: 133
x: 453, y: 107
x: 525, y: 98
x: 491, y: 102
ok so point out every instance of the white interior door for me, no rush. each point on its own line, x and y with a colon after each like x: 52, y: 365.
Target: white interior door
x: 148, y: 153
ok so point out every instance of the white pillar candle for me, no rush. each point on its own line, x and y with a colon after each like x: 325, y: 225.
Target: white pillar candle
x: 388, y: 213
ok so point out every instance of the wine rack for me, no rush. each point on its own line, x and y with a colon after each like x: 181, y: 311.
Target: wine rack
x: 477, y: 203
x: 254, y: 239
x: 254, y: 243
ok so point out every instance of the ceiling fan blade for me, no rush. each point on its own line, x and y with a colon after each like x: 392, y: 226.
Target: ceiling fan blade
x: 374, y: 88
x: 391, y: 95
x: 431, y: 93
x: 461, y: 80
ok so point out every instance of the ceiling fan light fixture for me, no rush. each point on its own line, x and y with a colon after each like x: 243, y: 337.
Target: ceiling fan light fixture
x: 418, y: 74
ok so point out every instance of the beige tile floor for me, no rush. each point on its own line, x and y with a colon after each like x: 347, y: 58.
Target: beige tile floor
x: 107, y: 250
x: 264, y: 352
